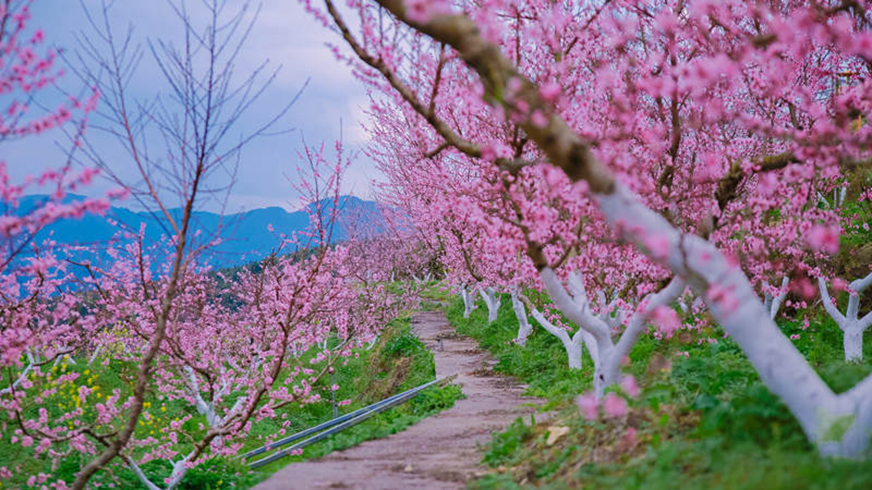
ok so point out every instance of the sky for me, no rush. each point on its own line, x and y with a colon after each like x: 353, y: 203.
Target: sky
x: 285, y: 36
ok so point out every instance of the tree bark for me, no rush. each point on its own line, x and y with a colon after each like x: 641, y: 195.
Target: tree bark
x: 524, y: 326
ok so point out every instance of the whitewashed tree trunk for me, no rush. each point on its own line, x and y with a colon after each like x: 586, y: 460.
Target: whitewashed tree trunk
x: 468, y: 301
x: 773, y: 303
x: 571, y: 344
x: 573, y: 302
x: 492, y: 301
x: 524, y: 325
x: 213, y: 419
x: 371, y: 343
x: 31, y: 362
x: 96, y: 354
x: 852, y: 326
x: 64, y: 358
x: 841, y: 424
x: 853, y: 343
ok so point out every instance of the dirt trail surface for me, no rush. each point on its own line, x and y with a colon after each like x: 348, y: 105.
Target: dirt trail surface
x: 441, y: 451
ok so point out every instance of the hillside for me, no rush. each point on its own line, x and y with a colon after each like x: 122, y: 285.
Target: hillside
x: 244, y: 237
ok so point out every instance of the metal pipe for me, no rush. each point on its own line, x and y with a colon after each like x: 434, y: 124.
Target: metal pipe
x: 339, y: 420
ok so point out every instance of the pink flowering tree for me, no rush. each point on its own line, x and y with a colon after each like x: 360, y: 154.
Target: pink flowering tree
x: 170, y: 327
x: 42, y: 323
x: 752, y: 86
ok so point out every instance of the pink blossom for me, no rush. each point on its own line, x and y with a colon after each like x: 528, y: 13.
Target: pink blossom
x: 538, y: 119
x: 803, y: 287
x: 666, y: 320
x: 550, y: 91
x: 824, y: 239
x: 614, y: 405
x: 588, y: 405
x: 629, y: 386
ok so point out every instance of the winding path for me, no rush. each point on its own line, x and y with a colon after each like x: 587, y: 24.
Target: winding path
x: 440, y: 452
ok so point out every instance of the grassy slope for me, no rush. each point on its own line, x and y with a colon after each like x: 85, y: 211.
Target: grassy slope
x: 703, y: 420
x: 399, y: 361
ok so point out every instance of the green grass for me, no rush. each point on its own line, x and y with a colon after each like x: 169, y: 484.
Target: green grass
x: 706, y: 421
x: 397, y: 362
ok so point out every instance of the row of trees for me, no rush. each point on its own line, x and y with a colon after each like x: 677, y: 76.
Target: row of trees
x: 230, y: 349
x: 634, y: 160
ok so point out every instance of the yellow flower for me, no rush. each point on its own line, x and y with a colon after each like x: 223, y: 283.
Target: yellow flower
x: 87, y: 372
x: 163, y: 408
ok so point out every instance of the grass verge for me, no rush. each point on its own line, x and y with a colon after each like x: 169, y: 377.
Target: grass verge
x: 703, y: 418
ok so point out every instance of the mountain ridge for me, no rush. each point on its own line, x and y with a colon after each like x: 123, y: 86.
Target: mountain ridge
x: 244, y: 236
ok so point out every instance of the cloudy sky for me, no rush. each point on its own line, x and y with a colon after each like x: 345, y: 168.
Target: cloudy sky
x: 285, y: 36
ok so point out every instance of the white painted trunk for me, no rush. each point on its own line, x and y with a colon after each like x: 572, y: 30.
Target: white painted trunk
x: 573, y: 352
x: 96, y: 353
x: 31, y: 362
x: 371, y: 343
x: 840, y: 425
x: 524, y: 325
x: 853, y: 344
x: 492, y: 301
x: 596, y: 330
x: 852, y: 326
x: 468, y: 301
x: 773, y: 303
x: 178, y: 472
x: 571, y: 345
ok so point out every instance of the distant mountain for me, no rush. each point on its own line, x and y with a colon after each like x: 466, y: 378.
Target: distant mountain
x: 245, y: 237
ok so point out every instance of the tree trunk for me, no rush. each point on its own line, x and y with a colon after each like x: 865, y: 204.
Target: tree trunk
x: 524, y: 326
x: 468, y: 302
x: 573, y: 351
x: 853, y: 344
x: 492, y: 301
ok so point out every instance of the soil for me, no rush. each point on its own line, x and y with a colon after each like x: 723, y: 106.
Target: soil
x: 443, y: 451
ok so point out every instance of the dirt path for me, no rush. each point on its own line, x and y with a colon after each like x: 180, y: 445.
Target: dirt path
x: 441, y: 451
